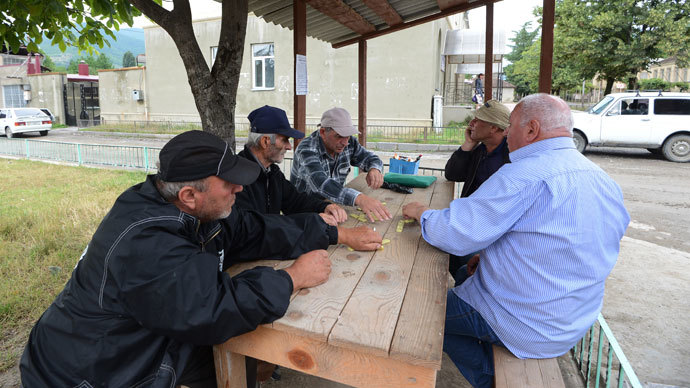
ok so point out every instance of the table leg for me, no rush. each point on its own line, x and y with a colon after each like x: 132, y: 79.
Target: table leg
x: 231, y: 369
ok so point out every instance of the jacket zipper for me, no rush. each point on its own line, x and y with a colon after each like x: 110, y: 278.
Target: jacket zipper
x: 203, y: 244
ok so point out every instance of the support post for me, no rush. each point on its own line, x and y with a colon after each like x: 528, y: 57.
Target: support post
x: 299, y: 10
x: 546, y: 61
x: 362, y: 101
x: 489, y: 52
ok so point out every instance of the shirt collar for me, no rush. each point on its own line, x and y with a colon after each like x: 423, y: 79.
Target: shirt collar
x: 249, y: 151
x: 561, y: 142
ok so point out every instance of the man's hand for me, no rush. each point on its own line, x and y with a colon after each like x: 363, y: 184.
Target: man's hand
x: 337, y: 212
x: 374, y: 178
x: 414, y: 210
x: 372, y: 208
x: 469, y: 144
x: 361, y: 238
x: 472, y: 265
x: 329, y: 219
x: 310, y: 269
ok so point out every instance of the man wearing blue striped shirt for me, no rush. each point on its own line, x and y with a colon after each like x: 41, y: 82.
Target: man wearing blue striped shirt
x: 548, y: 226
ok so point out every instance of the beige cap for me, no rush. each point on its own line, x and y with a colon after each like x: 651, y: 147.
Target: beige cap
x: 338, y: 119
x: 493, y: 112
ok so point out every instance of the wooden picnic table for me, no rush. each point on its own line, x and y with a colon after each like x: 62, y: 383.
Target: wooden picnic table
x: 378, y: 320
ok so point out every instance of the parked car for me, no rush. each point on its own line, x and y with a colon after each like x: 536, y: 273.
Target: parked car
x: 657, y: 121
x: 19, y: 120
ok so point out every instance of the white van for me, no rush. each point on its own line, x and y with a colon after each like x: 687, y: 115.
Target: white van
x: 657, y: 121
x: 20, y: 120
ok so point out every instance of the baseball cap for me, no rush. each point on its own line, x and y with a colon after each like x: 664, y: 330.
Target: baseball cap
x: 495, y: 113
x: 196, y: 155
x: 269, y: 119
x: 338, y: 119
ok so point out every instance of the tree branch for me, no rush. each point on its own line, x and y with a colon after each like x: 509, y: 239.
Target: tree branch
x: 154, y: 11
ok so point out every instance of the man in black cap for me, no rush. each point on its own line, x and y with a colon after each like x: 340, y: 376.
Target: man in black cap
x: 271, y: 192
x: 149, y: 295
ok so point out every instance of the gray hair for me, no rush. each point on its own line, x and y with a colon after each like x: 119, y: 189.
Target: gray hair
x: 170, y: 190
x: 543, y: 107
x: 253, y: 139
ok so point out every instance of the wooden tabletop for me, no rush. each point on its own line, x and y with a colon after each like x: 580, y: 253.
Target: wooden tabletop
x: 377, y: 321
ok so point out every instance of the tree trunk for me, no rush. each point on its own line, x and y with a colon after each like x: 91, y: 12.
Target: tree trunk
x: 632, y: 83
x: 609, y: 85
x: 214, y: 91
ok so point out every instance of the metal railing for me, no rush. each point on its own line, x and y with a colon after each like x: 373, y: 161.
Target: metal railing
x: 610, y: 363
x: 375, y: 133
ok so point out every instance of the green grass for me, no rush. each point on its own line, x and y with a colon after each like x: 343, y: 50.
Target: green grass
x: 47, y: 216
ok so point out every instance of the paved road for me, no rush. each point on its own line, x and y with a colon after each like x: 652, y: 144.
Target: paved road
x: 647, y: 301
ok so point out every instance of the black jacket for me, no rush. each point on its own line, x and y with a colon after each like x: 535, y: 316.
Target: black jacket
x: 271, y: 193
x: 149, y: 287
x: 463, y: 165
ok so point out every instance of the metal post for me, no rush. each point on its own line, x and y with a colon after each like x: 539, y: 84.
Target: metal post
x: 362, y: 103
x: 79, y: 154
x: 146, y: 159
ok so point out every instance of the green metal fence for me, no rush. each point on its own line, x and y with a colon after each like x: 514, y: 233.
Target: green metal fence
x: 82, y: 154
x: 608, y: 364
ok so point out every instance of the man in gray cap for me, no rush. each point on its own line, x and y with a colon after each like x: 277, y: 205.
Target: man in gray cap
x: 271, y: 192
x: 484, y: 151
x: 322, y: 162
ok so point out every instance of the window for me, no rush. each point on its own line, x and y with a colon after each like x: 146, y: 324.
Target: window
x: 13, y: 60
x: 263, y: 61
x: 14, y: 96
x: 634, y: 106
x: 214, y: 52
x: 672, y: 106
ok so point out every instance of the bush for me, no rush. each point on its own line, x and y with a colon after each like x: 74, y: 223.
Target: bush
x: 654, y: 84
x: 682, y: 86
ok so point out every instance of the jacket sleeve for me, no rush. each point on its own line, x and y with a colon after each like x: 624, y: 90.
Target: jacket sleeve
x: 458, y: 166
x: 318, y: 181
x: 298, y: 202
x: 251, y: 235
x: 172, y: 288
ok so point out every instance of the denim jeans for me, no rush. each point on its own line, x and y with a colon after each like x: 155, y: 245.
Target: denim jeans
x: 467, y: 340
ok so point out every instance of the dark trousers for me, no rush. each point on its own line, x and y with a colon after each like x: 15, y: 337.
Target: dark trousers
x: 200, y: 371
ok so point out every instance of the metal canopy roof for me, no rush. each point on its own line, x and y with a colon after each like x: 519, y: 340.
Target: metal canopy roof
x: 342, y: 22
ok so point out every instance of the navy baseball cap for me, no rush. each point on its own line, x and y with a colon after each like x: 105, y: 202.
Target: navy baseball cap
x: 195, y: 155
x: 269, y: 119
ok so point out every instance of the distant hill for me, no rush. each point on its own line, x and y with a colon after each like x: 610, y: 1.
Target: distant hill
x: 127, y: 39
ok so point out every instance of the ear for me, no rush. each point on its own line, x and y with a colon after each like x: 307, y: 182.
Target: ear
x: 533, y: 131
x: 186, y: 198
x: 265, y: 142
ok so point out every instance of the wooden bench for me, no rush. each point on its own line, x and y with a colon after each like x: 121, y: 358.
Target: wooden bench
x: 512, y: 372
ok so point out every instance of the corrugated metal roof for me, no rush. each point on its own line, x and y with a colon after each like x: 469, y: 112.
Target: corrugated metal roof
x: 323, y: 27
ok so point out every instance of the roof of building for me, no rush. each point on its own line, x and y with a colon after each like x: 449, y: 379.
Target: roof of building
x: 342, y: 22
x: 79, y: 77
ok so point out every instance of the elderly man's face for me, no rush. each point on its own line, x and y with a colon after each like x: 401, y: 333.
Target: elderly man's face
x: 216, y: 201
x: 333, y: 142
x: 276, y: 152
x: 516, y: 132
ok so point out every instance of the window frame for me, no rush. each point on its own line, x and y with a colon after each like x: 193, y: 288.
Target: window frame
x: 263, y: 59
x: 9, y: 102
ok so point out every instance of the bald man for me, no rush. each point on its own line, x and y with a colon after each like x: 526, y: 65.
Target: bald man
x: 548, y: 228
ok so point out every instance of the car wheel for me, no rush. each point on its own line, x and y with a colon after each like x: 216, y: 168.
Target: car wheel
x: 43, y: 133
x: 655, y: 151
x: 677, y: 148
x: 579, y: 140
x: 8, y: 133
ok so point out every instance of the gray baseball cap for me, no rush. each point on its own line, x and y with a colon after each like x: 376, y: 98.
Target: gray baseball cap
x: 338, y: 119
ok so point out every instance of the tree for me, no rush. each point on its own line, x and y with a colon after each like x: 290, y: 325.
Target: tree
x: 522, y: 40
x: 103, y: 62
x: 95, y: 64
x: 618, y: 38
x: 654, y: 84
x: 128, y: 60
x: 214, y: 89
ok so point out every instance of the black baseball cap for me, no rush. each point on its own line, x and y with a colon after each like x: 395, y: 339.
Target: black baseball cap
x: 195, y: 155
x: 269, y: 119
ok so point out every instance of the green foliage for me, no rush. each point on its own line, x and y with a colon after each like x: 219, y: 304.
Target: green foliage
x: 128, y: 60
x: 654, y: 84
x: 618, y: 38
x: 95, y: 64
x: 523, y: 40
x: 80, y: 23
x: 682, y: 86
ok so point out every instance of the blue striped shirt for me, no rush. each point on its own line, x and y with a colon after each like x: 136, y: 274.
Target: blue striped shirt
x: 315, y: 171
x: 548, y: 226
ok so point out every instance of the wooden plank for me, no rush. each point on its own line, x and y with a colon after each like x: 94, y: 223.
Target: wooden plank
x: 546, y: 59
x: 385, y: 11
x: 418, y: 336
x: 512, y: 372
x: 299, y: 37
x: 319, y: 359
x: 551, y: 373
x: 444, y: 4
x: 313, y: 312
x: 362, y: 85
x: 230, y: 369
x: 343, y: 14
x: 368, y: 321
x: 489, y: 53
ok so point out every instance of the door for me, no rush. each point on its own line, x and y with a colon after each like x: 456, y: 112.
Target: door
x: 627, y: 122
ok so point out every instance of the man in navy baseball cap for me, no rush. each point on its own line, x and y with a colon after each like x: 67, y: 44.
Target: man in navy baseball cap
x: 272, y: 193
